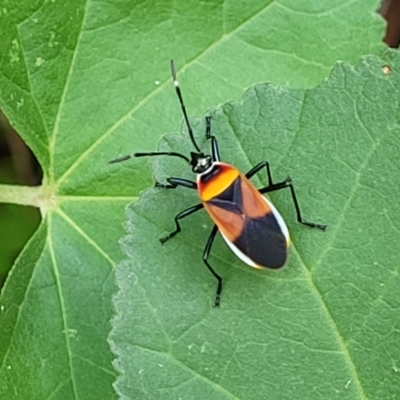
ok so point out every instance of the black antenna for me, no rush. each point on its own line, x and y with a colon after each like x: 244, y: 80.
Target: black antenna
x: 150, y: 154
x: 164, y: 153
x: 178, y: 92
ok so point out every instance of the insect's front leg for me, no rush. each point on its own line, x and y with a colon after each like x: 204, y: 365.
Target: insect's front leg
x: 175, y: 182
x: 214, y: 144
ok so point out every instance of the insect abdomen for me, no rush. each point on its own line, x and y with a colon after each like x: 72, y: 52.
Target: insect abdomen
x: 248, y: 222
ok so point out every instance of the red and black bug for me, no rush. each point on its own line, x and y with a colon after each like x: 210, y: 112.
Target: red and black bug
x: 248, y: 222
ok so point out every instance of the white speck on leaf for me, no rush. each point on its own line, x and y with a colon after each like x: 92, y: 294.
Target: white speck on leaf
x: 14, y: 52
x: 52, y: 42
x: 39, y: 61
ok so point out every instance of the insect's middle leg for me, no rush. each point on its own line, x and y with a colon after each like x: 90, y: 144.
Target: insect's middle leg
x: 287, y: 183
x: 258, y: 168
x: 172, y: 184
x: 181, y: 215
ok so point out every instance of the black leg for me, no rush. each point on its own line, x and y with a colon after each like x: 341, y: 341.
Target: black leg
x: 287, y: 183
x: 214, y: 144
x: 208, y: 127
x: 174, y: 182
x: 258, y: 168
x: 206, y: 253
x: 181, y: 215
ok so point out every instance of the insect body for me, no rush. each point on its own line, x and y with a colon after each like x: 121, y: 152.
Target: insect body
x: 248, y: 222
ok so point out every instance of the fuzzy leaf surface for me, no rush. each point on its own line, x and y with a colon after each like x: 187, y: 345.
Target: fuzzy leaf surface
x: 327, y: 325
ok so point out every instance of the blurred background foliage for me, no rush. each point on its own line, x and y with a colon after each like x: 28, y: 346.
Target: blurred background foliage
x: 17, y: 166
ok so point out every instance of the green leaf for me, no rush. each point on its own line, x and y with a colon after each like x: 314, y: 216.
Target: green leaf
x: 85, y: 82
x: 327, y: 325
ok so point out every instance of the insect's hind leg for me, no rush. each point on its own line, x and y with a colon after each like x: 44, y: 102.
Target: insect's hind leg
x: 206, y: 253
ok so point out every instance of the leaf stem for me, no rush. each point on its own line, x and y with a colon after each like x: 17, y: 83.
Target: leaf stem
x: 22, y: 195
